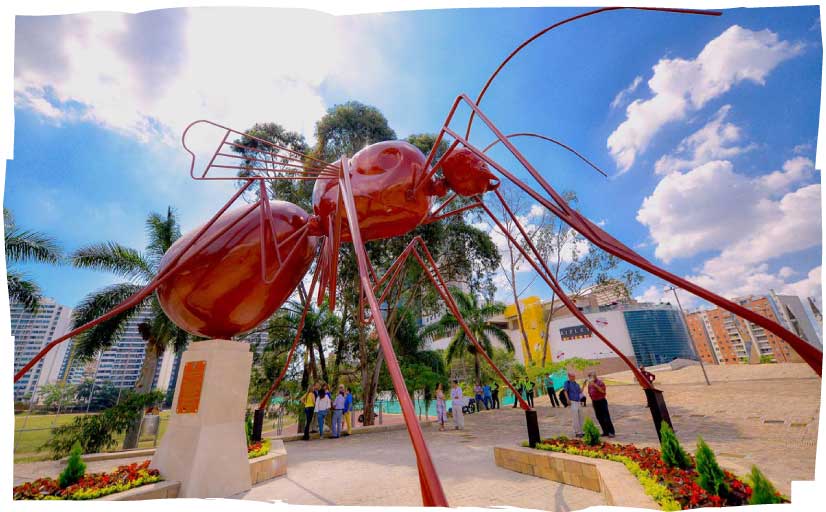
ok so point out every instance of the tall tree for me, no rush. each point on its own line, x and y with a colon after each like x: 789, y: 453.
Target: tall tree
x: 138, y: 269
x: 514, y: 261
x: 24, y: 246
x: 261, y: 160
x: 578, y: 265
x: 477, y: 317
x: 349, y: 127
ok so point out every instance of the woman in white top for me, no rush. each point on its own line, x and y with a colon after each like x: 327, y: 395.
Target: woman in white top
x: 322, y: 405
x: 457, y: 402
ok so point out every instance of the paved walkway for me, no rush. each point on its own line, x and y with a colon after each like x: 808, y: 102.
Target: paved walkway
x: 380, y: 469
x: 764, y: 415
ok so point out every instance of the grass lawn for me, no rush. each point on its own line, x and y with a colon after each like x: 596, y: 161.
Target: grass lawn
x: 31, y: 432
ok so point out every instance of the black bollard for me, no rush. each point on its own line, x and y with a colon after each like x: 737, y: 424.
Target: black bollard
x: 659, y: 411
x: 257, y: 425
x: 533, y: 428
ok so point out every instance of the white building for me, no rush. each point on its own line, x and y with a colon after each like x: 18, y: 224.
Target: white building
x: 121, y: 364
x: 32, y: 332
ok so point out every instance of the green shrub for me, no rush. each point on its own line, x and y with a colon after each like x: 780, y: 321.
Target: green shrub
x: 248, y: 426
x: 710, y: 474
x: 591, y: 433
x: 671, y: 452
x: 762, y: 491
x: 75, y: 467
x: 96, y: 432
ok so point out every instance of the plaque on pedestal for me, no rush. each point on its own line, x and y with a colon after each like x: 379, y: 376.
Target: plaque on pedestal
x: 205, y: 445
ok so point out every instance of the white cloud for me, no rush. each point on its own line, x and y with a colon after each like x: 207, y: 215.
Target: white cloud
x: 810, y: 286
x: 714, y: 141
x: 803, y: 148
x: 623, y: 95
x: 786, y: 272
x: 682, y: 86
x: 794, y: 171
x: 149, y: 75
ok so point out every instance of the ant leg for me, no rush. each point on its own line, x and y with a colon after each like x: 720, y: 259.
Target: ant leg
x: 431, y: 486
x: 144, y: 292
x: 307, y: 302
x: 606, y: 242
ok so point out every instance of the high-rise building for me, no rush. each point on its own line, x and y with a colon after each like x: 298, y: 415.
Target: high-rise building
x: 32, y: 332
x: 121, y: 364
x: 721, y: 337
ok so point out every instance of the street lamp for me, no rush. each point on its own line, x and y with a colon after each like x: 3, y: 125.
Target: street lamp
x: 682, y: 316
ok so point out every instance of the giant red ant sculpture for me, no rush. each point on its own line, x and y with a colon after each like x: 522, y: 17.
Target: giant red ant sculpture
x: 223, y: 279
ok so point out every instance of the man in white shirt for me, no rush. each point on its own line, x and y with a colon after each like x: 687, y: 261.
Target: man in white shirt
x: 338, y: 410
x: 457, y: 402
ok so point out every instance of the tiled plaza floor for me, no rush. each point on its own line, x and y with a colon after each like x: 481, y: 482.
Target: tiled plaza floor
x: 764, y: 415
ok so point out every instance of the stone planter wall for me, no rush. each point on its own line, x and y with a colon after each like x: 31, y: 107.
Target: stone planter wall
x: 619, y: 487
x: 157, y: 491
x: 270, y: 465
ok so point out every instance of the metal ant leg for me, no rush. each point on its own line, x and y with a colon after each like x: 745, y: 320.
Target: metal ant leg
x: 656, y: 401
x: 596, y: 235
x: 432, y: 493
x: 258, y: 420
x: 150, y: 287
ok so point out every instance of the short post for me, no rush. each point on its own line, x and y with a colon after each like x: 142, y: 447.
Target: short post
x: 381, y: 418
x: 659, y: 411
x: 257, y: 425
x: 533, y: 428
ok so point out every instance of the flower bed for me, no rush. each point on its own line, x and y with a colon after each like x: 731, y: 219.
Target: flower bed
x: 91, y: 486
x: 258, y: 449
x: 671, y: 488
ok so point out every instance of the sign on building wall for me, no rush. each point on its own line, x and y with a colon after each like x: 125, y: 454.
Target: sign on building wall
x: 575, y: 332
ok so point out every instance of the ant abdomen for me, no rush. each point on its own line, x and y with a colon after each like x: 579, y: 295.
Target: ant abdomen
x: 219, y: 288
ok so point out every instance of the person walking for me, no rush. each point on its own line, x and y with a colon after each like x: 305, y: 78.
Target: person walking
x: 309, y: 408
x: 531, y: 391
x: 549, y: 387
x: 338, y: 411
x: 521, y: 390
x: 457, y: 400
x: 650, y: 377
x: 477, y: 392
x: 597, y: 391
x: 494, y: 395
x: 441, y: 407
x: 573, y: 393
x: 487, y: 396
x: 348, y: 407
x: 322, y: 406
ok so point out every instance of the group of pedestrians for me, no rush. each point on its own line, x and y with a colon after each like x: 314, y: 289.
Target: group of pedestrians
x: 485, y: 395
x: 527, y: 390
x: 319, y: 401
x: 574, y: 397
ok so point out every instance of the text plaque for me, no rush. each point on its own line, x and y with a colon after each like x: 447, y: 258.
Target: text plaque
x: 192, y: 382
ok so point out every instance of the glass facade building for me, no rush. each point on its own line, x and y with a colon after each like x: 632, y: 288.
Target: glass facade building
x: 657, y: 335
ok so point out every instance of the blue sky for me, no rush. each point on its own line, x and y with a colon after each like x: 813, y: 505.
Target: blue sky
x: 706, y: 125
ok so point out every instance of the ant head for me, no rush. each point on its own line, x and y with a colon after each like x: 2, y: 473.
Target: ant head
x: 467, y: 174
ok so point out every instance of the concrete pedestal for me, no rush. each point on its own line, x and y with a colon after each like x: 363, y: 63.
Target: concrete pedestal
x: 206, y: 450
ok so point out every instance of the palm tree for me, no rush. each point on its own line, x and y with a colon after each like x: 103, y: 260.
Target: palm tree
x: 477, y: 318
x: 24, y: 246
x: 138, y: 269
x: 318, y: 324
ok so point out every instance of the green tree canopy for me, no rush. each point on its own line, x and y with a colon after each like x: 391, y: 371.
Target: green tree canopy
x: 25, y: 246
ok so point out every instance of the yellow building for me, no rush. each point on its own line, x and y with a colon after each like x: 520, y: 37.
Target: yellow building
x: 533, y: 317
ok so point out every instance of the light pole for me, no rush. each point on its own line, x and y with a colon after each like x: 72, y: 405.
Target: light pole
x: 682, y: 316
